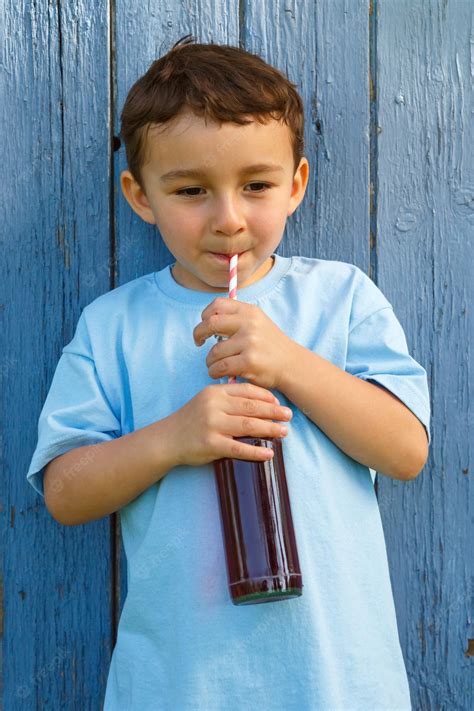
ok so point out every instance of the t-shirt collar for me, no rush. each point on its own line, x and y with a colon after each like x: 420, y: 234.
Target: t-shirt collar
x: 169, y: 286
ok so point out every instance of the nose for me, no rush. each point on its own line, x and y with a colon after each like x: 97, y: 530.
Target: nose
x: 228, y: 217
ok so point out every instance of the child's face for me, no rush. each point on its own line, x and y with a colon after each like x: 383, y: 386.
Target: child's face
x: 222, y: 209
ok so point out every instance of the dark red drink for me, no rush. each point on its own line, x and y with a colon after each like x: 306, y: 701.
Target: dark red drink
x: 257, y: 527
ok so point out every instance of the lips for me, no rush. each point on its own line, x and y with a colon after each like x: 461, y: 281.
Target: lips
x: 226, y: 254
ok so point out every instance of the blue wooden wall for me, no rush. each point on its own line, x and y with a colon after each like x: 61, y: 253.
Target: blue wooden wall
x: 387, y: 87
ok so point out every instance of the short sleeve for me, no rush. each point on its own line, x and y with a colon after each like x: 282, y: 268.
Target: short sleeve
x: 378, y: 352
x: 76, y: 411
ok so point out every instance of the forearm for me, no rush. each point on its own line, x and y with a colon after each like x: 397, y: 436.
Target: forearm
x: 366, y: 422
x: 93, y: 481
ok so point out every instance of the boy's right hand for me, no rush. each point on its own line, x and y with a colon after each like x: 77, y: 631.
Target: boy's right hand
x: 206, y: 424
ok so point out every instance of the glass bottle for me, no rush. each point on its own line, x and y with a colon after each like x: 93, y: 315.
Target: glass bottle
x: 257, y: 527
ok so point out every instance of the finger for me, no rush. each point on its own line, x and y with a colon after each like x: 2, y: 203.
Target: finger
x: 252, y: 427
x: 236, y: 449
x: 216, y: 325
x: 232, y: 365
x: 223, y: 349
x: 220, y: 304
x: 250, y: 390
x: 258, y: 408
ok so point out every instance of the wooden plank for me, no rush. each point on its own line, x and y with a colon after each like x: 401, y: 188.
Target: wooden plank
x: 54, y: 210
x: 425, y: 219
x: 322, y: 47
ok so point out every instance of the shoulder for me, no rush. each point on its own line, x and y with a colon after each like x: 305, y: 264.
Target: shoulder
x: 104, y: 319
x: 121, y: 301
x: 330, y: 271
x: 338, y: 284
x: 336, y: 276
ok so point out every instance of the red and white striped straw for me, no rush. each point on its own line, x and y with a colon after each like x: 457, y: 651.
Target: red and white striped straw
x: 233, y: 292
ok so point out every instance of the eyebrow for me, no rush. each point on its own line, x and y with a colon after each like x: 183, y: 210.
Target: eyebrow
x: 198, y: 173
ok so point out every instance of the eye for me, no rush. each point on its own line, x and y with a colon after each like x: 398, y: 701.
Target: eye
x: 186, y: 191
x: 265, y: 186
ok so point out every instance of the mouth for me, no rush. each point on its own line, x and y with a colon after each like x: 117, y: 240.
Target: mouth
x: 223, y: 256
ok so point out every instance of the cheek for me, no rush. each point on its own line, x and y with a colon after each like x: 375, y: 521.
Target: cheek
x: 175, y: 222
x: 266, y: 222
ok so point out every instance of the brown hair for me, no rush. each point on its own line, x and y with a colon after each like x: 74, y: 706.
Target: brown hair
x: 221, y: 83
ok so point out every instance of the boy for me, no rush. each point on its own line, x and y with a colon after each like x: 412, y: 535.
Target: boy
x: 135, y: 416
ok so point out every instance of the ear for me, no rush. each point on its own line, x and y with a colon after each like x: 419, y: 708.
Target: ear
x: 136, y: 197
x: 300, y: 181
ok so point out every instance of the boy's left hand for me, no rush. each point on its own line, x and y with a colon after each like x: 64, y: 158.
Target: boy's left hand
x: 255, y: 349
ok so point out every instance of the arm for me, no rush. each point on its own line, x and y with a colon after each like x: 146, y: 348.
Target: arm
x: 366, y: 422
x: 93, y: 481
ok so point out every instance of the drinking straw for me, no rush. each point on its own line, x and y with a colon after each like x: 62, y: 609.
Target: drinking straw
x: 233, y: 290
x: 232, y: 295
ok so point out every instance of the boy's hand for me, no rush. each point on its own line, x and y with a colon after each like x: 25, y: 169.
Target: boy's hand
x: 256, y: 349
x: 206, y: 424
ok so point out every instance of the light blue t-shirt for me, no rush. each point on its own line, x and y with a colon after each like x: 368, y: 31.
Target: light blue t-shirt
x: 182, y: 645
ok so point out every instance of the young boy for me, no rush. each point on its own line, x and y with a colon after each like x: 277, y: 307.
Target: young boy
x: 140, y: 407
